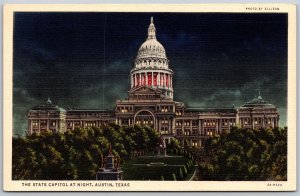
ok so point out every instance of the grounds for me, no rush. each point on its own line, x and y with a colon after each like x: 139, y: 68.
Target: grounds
x: 174, y: 167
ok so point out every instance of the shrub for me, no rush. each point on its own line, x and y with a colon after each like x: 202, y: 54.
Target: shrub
x: 185, y: 170
x: 174, y: 177
x: 180, y: 173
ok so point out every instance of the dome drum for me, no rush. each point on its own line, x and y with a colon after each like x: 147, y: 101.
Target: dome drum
x: 154, y: 78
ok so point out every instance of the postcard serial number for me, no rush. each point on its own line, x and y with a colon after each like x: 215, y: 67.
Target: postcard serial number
x: 274, y: 184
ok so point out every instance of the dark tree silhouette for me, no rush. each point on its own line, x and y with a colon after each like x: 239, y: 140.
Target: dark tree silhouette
x: 244, y: 154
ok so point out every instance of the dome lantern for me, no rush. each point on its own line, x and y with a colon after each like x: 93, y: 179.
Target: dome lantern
x: 151, y: 30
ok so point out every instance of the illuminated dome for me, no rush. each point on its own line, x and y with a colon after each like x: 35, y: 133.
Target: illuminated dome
x: 151, y: 48
x: 152, y: 66
x: 151, y: 53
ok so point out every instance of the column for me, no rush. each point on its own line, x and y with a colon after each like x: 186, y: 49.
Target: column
x: 140, y: 78
x: 39, y: 127
x: 29, y: 127
x: 166, y: 79
x: 131, y: 80
x: 159, y: 127
x: 158, y: 79
x: 47, y: 124
x: 170, y: 126
x: 58, y: 127
x: 202, y: 127
x: 191, y: 127
x: 173, y: 126
x: 146, y: 78
x: 217, y: 126
x: 152, y: 79
x: 199, y: 127
x: 229, y: 126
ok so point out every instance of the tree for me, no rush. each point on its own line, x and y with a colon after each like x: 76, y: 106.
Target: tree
x: 76, y: 154
x: 244, y: 154
x: 141, y: 138
x: 153, y: 136
x: 174, y: 145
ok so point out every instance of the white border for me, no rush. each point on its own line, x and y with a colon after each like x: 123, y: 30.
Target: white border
x: 289, y: 185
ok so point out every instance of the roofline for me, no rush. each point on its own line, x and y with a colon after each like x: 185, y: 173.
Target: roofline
x: 88, y: 110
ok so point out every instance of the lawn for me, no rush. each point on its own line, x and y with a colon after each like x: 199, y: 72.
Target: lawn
x: 154, y: 167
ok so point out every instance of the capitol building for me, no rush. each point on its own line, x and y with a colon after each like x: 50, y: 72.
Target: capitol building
x: 150, y: 103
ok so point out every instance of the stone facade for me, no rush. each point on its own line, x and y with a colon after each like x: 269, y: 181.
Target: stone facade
x: 150, y: 102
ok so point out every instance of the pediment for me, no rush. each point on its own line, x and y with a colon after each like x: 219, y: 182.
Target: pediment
x: 145, y: 90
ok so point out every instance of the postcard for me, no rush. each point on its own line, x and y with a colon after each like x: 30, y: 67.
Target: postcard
x: 173, y: 97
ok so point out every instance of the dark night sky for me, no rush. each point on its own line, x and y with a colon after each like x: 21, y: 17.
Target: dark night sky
x: 82, y: 60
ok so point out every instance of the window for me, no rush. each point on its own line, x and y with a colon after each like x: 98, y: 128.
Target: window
x: 187, y: 123
x: 164, y: 109
x: 164, y: 130
x: 53, y: 123
x: 178, y: 123
x: 195, y: 123
x: 209, y: 132
x: 194, y: 143
x: 187, y: 132
x: 195, y: 131
x: 43, y: 122
x: 164, y: 121
x: 179, y: 132
x: 35, y: 123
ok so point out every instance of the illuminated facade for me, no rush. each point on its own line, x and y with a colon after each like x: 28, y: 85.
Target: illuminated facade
x: 150, y: 102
